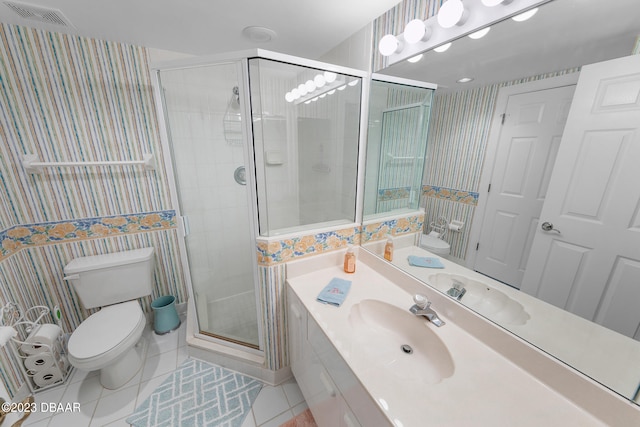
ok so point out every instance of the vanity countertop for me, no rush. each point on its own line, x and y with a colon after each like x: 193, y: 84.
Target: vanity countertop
x: 486, y: 388
x: 575, y: 341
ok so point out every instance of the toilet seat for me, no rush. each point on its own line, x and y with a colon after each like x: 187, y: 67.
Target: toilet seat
x: 105, y: 335
x: 435, y: 245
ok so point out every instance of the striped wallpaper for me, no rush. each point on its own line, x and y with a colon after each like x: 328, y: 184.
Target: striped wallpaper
x: 68, y: 98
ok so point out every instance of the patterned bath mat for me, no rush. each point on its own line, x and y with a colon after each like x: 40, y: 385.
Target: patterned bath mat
x: 198, y: 394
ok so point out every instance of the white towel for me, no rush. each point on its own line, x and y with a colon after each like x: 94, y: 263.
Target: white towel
x: 6, y: 333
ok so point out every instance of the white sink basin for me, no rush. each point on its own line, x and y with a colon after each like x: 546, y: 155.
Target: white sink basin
x: 484, y: 299
x: 383, y: 331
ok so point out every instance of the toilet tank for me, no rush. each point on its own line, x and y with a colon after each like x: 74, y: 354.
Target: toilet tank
x: 101, y: 280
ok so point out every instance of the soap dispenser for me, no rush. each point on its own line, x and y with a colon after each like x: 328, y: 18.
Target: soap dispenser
x: 350, y: 260
x: 388, y: 249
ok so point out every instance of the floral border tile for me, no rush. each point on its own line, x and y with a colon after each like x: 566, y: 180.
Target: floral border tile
x: 460, y: 196
x: 395, y: 227
x: 22, y: 236
x: 279, y: 251
x: 387, y: 194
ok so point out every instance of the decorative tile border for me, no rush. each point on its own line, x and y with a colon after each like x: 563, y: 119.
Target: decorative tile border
x: 22, y: 236
x: 279, y: 251
x: 395, y: 227
x: 460, y: 196
x: 387, y: 194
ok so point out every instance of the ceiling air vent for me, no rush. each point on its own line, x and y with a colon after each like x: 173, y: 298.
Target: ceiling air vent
x: 38, y: 13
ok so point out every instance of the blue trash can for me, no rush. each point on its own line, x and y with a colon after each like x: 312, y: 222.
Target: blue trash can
x: 165, y: 315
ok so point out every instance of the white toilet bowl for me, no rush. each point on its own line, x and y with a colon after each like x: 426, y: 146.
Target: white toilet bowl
x: 107, y: 340
x: 435, y: 245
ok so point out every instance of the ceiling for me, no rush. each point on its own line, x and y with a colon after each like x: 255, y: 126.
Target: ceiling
x: 307, y: 28
x: 562, y: 35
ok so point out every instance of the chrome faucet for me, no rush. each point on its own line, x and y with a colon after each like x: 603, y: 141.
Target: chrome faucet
x: 457, y: 291
x: 422, y: 307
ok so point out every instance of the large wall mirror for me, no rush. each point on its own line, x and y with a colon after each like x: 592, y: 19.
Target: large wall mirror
x: 576, y: 299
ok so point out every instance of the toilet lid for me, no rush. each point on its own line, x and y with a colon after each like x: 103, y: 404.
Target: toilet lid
x: 104, y: 330
x: 433, y: 242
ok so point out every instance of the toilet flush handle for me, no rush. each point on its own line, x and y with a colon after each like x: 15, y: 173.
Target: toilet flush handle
x: 72, y: 277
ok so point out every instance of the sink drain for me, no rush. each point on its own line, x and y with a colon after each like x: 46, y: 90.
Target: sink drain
x: 406, y: 349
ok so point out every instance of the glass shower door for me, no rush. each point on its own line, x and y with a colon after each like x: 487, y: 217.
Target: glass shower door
x: 203, y: 114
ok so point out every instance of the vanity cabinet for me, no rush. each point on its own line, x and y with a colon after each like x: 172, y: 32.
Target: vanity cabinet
x: 332, y: 391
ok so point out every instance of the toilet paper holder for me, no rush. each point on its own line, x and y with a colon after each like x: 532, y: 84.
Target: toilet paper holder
x: 39, y: 346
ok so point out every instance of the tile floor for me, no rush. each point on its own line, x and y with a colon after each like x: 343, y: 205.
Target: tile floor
x: 102, y: 407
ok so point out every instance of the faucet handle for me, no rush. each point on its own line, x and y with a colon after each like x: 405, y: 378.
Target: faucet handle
x: 421, y: 301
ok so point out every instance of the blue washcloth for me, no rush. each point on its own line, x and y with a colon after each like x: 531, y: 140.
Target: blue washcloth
x: 425, y: 261
x: 335, y: 292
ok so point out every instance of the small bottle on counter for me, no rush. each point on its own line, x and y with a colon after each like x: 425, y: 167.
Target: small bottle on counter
x: 350, y: 260
x: 388, y: 249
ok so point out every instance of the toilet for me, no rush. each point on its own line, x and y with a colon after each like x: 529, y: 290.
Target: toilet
x: 108, y: 339
x: 434, y: 244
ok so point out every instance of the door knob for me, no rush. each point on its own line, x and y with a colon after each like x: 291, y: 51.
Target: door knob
x: 547, y: 226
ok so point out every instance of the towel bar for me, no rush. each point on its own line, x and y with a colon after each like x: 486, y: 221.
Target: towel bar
x: 32, y: 165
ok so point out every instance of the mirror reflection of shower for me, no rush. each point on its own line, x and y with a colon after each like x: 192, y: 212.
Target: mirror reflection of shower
x: 232, y: 120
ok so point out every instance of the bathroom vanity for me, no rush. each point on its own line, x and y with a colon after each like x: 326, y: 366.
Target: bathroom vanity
x: 370, y: 362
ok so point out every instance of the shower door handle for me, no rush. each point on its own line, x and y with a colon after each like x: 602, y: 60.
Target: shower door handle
x: 185, y: 226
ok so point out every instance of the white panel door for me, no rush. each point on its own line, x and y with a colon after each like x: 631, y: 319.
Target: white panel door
x: 589, y: 262
x: 528, y: 143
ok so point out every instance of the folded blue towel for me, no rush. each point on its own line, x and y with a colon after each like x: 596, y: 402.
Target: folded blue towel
x: 425, y: 261
x: 335, y: 292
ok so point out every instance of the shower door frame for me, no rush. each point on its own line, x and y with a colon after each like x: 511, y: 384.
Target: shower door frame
x: 241, y: 61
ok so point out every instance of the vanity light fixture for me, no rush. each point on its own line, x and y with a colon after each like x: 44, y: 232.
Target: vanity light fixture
x: 389, y: 45
x: 442, y: 48
x: 452, y: 13
x: 492, y: 3
x: 526, y: 15
x: 415, y: 59
x: 416, y: 31
x: 480, y: 34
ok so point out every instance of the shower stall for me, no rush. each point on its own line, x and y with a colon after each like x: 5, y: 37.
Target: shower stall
x: 261, y: 145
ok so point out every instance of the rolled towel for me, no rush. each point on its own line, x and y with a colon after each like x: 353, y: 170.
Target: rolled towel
x: 6, y: 333
x: 335, y: 292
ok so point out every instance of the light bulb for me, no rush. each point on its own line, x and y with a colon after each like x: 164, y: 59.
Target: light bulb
x: 330, y: 77
x: 442, y: 48
x: 451, y: 13
x: 343, y: 87
x: 526, y: 15
x: 288, y: 97
x: 414, y: 59
x: 480, y: 34
x: 323, y: 95
x: 492, y: 3
x: 331, y: 92
x: 302, y: 88
x: 296, y: 93
x: 416, y: 31
x: 319, y: 80
x: 353, y: 82
x: 389, y: 45
x: 311, y: 86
